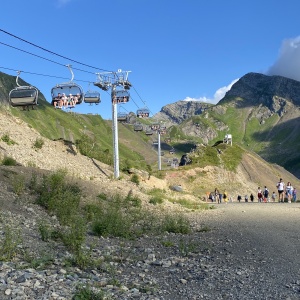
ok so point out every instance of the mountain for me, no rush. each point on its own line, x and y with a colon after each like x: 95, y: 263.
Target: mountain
x: 176, y: 113
x: 261, y: 112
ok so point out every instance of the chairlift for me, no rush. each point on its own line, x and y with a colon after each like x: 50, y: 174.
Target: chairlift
x: 149, y: 131
x: 122, y: 117
x: 143, y: 113
x: 23, y: 95
x: 163, y: 129
x: 92, y: 97
x: 120, y: 96
x: 155, y: 126
x: 68, y: 89
x: 172, y: 151
x: 138, y: 127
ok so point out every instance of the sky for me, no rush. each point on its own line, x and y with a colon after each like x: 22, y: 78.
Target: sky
x: 175, y: 50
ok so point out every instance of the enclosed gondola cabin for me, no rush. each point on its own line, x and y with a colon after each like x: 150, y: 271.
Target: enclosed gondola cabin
x: 120, y: 96
x: 143, y: 113
x: 138, y: 127
x: 92, y: 97
x: 23, y: 96
x: 122, y: 117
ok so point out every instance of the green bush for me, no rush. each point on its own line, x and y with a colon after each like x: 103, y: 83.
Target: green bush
x: 176, y: 224
x: 9, y: 161
x: 156, y: 200
x: 135, y: 179
x: 6, y: 138
x: 118, y: 217
x: 18, y: 184
x: 73, y: 236
x: 59, y: 197
x: 9, y: 246
x: 87, y: 293
x: 39, y: 143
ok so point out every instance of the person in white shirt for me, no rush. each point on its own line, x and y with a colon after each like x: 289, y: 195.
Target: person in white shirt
x: 280, y: 187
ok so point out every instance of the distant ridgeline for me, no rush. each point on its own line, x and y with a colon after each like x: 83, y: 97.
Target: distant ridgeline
x: 258, y: 89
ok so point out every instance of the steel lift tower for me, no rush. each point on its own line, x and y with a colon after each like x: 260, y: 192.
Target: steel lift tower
x: 119, y: 85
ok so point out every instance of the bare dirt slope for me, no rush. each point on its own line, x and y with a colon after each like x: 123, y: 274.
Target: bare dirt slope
x: 252, y: 172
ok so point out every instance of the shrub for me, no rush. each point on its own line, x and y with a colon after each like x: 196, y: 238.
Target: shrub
x: 6, y: 138
x: 73, y: 236
x: 59, y: 197
x: 135, y: 179
x: 9, y: 246
x: 39, y: 143
x: 45, y: 231
x: 176, y: 224
x: 118, y: 217
x: 88, y: 293
x: 9, y: 161
x: 156, y: 200
x: 18, y: 184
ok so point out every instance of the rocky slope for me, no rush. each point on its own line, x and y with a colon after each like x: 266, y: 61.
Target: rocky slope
x: 167, y: 266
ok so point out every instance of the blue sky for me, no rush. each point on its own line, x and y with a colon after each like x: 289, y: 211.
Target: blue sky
x: 175, y: 50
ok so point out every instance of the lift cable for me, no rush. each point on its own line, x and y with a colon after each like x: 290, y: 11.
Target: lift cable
x: 62, y: 64
x: 54, y: 53
x: 45, y: 75
x: 44, y: 58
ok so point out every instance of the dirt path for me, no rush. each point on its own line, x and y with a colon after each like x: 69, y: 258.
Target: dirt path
x: 261, y: 240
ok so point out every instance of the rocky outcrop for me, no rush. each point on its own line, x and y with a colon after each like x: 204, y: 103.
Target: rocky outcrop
x: 179, y: 111
x: 258, y: 89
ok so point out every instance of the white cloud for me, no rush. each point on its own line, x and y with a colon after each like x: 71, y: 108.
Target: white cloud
x: 288, y: 62
x: 219, y: 94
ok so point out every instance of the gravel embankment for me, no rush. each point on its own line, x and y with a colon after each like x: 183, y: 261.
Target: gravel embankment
x: 251, y: 252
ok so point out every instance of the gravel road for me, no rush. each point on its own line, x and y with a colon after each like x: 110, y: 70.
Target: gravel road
x: 257, y: 251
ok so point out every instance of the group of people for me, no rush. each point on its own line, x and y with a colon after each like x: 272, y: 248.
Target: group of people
x: 122, y: 99
x: 64, y: 101
x: 285, y: 193
x: 218, y: 197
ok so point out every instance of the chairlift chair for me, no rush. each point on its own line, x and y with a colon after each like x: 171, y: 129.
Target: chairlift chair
x: 92, y: 97
x: 138, y: 127
x: 155, y: 126
x: 149, y: 131
x: 23, y: 95
x: 122, y: 117
x: 143, y: 113
x: 163, y: 130
x: 120, y: 96
x: 68, y: 88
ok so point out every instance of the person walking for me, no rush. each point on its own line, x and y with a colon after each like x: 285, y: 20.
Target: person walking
x: 259, y: 195
x: 280, y: 188
x: 273, y: 196
x: 266, y: 195
x: 217, y: 198
x: 251, y: 197
x: 294, y: 195
x: 289, y: 192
